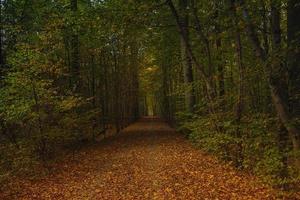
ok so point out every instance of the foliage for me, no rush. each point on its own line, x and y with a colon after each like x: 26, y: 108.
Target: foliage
x: 224, y: 72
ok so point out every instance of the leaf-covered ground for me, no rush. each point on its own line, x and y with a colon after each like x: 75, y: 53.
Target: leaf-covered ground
x: 148, y: 160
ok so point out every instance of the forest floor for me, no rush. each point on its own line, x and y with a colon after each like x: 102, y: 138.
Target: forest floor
x: 147, y: 160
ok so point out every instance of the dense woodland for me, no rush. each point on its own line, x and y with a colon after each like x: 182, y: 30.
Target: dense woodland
x: 224, y: 72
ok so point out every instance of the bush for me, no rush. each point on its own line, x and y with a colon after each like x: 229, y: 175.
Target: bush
x: 256, y: 149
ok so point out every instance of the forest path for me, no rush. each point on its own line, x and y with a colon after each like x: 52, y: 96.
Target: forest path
x: 148, y: 160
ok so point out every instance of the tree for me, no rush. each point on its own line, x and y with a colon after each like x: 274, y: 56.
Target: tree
x: 75, y: 59
x: 278, y: 100
x: 186, y: 60
x: 293, y: 59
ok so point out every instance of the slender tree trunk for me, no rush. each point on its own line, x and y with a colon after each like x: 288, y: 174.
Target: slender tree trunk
x: 240, y: 103
x: 186, y: 60
x: 278, y: 71
x: 116, y: 106
x: 265, y: 26
x: 135, y: 81
x: 2, y: 55
x: 93, y: 93
x: 166, y: 101
x: 75, y: 59
x: 220, y: 65
x: 105, y: 93
x: 293, y: 59
x: 38, y: 108
x: 93, y: 88
x: 220, y: 71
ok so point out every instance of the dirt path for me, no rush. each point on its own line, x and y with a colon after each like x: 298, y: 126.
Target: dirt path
x: 148, y: 160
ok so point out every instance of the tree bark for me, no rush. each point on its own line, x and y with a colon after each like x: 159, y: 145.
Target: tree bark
x: 293, y: 58
x: 186, y: 60
x: 2, y: 54
x: 240, y: 102
x: 220, y: 65
x: 75, y: 57
x: 278, y: 78
x: 220, y: 71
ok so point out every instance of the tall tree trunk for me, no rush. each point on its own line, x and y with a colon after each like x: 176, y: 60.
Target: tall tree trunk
x: 93, y: 81
x: 1, y: 45
x: 240, y: 102
x: 135, y: 80
x: 75, y: 59
x: 116, y: 97
x: 105, y: 91
x: 220, y: 70
x: 220, y: 65
x: 166, y: 108
x: 278, y: 71
x: 186, y: 60
x: 265, y: 26
x: 294, y: 57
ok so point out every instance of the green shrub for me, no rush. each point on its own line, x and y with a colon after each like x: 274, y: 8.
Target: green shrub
x: 256, y: 149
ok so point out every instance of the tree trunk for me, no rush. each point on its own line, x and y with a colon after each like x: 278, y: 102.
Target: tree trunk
x: 75, y: 59
x: 293, y: 59
x: 265, y: 26
x: 240, y: 102
x: 116, y: 97
x: 2, y: 59
x: 186, y: 60
x: 220, y: 71
x: 278, y: 78
x: 220, y: 65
